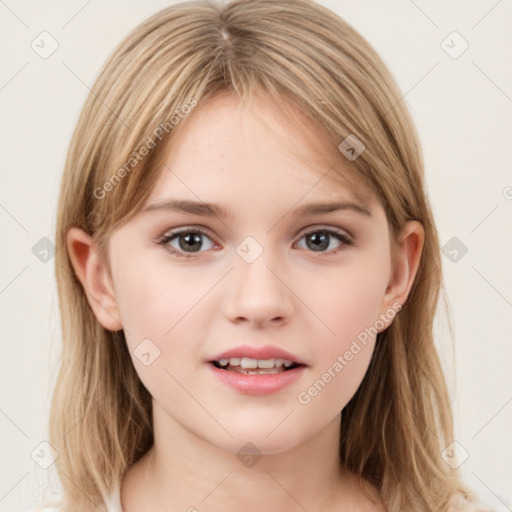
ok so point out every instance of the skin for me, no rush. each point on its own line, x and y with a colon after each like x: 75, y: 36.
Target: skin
x: 258, y: 165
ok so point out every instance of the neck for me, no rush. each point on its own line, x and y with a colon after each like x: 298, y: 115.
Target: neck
x: 185, y: 472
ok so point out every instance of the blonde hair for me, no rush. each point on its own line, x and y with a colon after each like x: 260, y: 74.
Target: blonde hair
x: 399, y: 421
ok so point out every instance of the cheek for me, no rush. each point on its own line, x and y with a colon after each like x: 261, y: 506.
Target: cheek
x: 348, y: 305
x: 162, y: 329
x: 349, y: 300
x: 151, y: 299
x: 162, y: 305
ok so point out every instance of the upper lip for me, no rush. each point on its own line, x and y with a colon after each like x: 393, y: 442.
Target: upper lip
x: 261, y: 353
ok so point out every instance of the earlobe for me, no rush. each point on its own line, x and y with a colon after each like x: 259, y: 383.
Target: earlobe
x: 92, y: 272
x: 405, y: 267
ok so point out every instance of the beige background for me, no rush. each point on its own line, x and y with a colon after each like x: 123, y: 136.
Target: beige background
x: 462, y: 107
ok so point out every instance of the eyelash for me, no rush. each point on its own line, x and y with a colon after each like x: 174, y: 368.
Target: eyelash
x: 168, y: 237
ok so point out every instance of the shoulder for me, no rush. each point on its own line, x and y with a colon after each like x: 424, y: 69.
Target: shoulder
x: 370, y: 498
x: 45, y: 509
x: 461, y: 503
x: 362, y: 494
x: 51, y: 508
x: 54, y: 507
x: 57, y: 509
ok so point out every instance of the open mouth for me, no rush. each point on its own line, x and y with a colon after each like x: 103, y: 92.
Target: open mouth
x: 248, y: 366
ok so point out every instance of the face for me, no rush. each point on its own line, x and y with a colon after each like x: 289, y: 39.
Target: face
x: 189, y: 287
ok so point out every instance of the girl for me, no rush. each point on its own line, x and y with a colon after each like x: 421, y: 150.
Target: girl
x: 248, y: 272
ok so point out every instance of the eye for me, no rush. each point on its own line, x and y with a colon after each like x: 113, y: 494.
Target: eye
x: 320, y: 239
x: 187, y: 239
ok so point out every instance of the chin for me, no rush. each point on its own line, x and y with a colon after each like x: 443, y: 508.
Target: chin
x: 253, y: 441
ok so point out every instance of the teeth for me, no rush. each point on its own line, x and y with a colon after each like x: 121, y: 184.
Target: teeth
x: 249, y: 363
x: 258, y: 371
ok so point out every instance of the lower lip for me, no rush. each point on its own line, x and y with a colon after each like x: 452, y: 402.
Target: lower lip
x: 258, y: 384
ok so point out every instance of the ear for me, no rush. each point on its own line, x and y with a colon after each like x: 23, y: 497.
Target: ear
x: 92, y: 272
x: 407, y: 259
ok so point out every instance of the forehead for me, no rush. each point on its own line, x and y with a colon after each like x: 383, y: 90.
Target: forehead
x: 257, y: 148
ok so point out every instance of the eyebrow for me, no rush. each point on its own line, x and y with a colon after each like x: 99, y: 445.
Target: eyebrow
x: 216, y: 210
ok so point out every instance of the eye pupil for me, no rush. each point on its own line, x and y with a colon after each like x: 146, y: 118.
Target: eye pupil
x: 191, y: 241
x: 319, y: 240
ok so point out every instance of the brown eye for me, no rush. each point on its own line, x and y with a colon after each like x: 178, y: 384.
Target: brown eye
x: 321, y: 240
x: 189, y: 241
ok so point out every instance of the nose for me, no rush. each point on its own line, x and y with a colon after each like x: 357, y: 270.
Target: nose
x: 258, y: 293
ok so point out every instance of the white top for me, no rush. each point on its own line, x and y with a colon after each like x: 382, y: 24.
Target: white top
x: 114, y: 502
x: 113, y: 505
